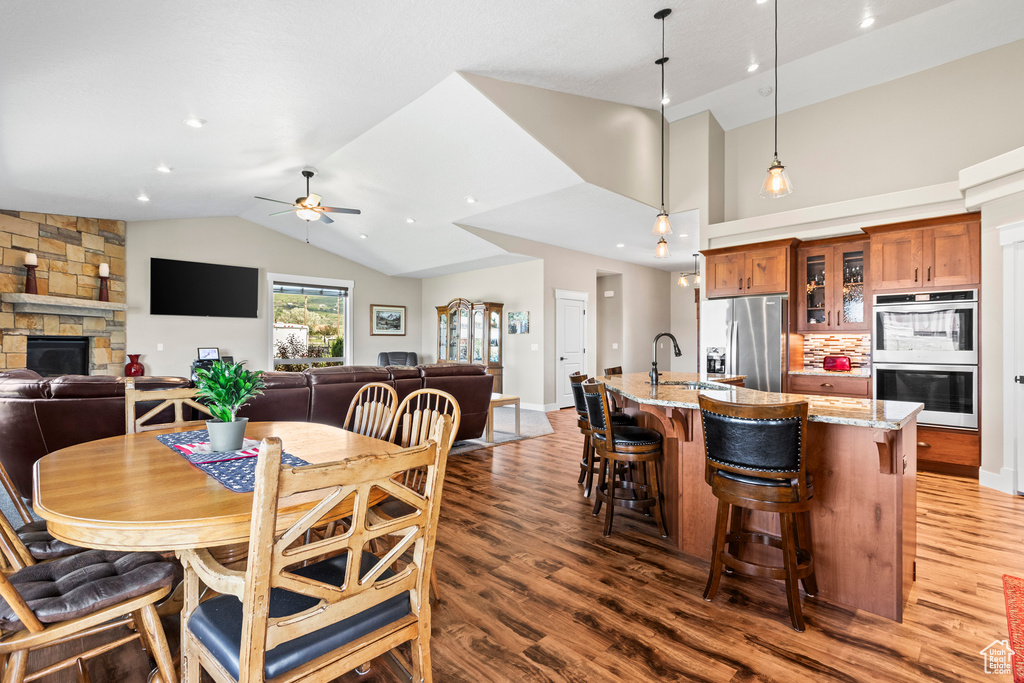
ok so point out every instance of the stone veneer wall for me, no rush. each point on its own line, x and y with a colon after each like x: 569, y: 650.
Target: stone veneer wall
x: 70, y: 250
x: 856, y: 346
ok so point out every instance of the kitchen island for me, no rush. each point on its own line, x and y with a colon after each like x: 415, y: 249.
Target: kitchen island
x: 862, y: 455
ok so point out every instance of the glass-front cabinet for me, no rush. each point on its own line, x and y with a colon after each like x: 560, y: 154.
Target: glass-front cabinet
x: 832, y: 278
x: 470, y: 332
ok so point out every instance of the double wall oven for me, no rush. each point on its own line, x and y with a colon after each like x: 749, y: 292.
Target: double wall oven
x: 925, y: 350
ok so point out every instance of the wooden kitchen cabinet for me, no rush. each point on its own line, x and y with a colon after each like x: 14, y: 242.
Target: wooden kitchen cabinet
x: 949, y: 450
x: 830, y: 385
x: 832, y: 294
x: 763, y: 268
x: 920, y: 255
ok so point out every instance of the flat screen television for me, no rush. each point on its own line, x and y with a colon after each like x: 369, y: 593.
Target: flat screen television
x: 206, y: 289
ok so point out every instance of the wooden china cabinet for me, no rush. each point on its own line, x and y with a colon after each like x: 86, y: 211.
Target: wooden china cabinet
x: 470, y: 332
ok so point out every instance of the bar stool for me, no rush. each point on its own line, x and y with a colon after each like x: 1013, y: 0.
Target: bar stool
x: 756, y: 458
x: 625, y: 451
x: 587, y: 463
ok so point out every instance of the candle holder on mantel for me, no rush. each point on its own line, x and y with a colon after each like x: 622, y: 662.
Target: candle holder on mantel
x: 30, y: 279
x: 104, y: 275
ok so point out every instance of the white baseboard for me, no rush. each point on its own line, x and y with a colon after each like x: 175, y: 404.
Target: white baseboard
x: 1001, y: 481
x: 546, y: 408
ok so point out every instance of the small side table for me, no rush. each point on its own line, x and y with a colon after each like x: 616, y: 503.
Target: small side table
x: 496, y: 401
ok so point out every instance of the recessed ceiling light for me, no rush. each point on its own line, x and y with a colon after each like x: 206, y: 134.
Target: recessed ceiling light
x: 164, y: 168
x: 470, y: 200
x: 620, y: 245
x: 410, y: 220
x: 142, y: 198
x: 752, y: 68
x: 867, y: 22
x: 362, y: 236
x: 195, y: 123
x: 666, y: 99
x: 683, y: 235
x: 761, y: 2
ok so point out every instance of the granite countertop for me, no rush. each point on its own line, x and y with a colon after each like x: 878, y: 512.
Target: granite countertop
x: 857, y: 412
x: 859, y: 372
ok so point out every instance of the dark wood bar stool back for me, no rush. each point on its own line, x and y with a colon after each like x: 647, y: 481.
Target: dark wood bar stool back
x: 757, y: 459
x: 588, y: 462
x: 629, y: 473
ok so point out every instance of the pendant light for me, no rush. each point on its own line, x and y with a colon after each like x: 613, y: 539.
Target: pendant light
x: 662, y: 226
x: 777, y: 183
x: 695, y: 274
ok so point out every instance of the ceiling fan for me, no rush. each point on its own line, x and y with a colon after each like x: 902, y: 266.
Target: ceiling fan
x: 308, y: 208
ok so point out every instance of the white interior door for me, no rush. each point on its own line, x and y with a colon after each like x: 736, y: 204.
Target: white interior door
x: 1013, y: 358
x: 570, y: 341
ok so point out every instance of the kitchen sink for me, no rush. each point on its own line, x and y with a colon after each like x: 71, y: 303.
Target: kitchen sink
x: 696, y: 386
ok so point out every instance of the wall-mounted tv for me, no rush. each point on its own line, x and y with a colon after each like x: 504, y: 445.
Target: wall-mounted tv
x: 190, y: 288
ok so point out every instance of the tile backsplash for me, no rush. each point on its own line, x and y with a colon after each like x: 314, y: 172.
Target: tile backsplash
x: 856, y: 346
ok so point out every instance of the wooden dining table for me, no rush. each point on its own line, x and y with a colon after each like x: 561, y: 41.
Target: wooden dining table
x: 132, y: 492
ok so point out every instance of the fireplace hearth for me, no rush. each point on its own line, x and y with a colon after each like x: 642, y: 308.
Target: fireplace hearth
x: 55, y: 356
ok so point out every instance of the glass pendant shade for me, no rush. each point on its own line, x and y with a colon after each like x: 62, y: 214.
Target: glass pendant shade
x: 661, y: 250
x: 696, y: 279
x: 308, y: 214
x: 661, y: 225
x: 777, y: 183
x: 682, y: 281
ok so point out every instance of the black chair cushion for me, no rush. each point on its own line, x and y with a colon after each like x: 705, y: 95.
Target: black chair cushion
x: 41, y: 545
x: 755, y: 445
x: 617, y: 419
x: 633, y: 436
x: 217, y: 623
x: 84, y: 583
x: 394, y: 508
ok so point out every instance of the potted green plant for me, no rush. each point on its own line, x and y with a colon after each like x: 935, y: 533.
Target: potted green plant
x: 224, y: 388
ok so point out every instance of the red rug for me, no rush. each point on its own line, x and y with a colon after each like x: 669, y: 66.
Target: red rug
x: 1013, y: 590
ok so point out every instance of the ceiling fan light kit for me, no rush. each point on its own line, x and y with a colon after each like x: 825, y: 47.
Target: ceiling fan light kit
x: 308, y: 208
x: 662, y: 226
x: 777, y: 183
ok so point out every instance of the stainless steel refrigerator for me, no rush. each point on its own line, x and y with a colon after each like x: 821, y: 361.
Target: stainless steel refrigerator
x: 746, y: 336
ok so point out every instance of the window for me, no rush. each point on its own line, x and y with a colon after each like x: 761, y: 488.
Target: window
x: 311, y: 321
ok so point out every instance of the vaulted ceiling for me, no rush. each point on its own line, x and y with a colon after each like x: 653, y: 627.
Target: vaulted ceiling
x: 93, y: 98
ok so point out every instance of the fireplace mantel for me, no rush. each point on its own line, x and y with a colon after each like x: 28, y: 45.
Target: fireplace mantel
x: 61, y: 305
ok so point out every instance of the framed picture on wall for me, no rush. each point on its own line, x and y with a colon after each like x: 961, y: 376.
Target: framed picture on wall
x: 387, y: 320
x: 519, y: 322
x: 209, y: 353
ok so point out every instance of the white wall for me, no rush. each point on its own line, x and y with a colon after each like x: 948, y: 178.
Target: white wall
x: 609, y: 322
x: 238, y: 242
x: 911, y: 132
x: 519, y: 287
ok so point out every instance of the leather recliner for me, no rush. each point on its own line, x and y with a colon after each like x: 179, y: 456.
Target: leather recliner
x: 406, y: 358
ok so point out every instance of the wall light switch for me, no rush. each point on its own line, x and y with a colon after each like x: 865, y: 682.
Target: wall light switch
x: 615, y: 345
x: 535, y: 347
x: 159, y: 347
x: 609, y: 293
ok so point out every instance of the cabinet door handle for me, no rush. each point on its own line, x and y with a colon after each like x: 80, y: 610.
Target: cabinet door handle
x: 740, y: 285
x: 923, y: 444
x: 915, y: 274
x: 929, y: 273
x: 830, y: 317
x: 826, y: 384
x: 748, y: 283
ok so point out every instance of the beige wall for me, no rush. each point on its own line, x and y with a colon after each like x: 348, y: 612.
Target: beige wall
x: 609, y: 322
x: 520, y: 287
x: 911, y: 132
x: 238, y: 242
x: 645, y: 301
x: 684, y: 327
x: 614, y: 146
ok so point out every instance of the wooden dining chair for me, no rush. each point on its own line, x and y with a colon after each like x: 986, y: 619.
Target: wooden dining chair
x: 372, y: 410
x: 292, y: 617
x: 419, y: 412
x: 54, y: 603
x: 176, y: 398
x: 35, y: 542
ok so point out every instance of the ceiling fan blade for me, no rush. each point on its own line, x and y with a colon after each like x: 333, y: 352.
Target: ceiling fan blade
x: 325, y: 218
x: 278, y: 213
x: 334, y: 209
x: 267, y: 199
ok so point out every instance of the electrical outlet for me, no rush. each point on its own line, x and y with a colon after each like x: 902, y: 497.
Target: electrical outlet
x: 615, y: 345
x: 535, y: 347
x: 159, y: 347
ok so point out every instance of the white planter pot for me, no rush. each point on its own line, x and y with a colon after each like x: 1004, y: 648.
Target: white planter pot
x: 226, y: 436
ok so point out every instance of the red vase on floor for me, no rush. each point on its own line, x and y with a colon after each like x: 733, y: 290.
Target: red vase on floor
x: 134, y: 368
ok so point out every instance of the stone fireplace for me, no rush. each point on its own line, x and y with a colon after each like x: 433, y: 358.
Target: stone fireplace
x: 69, y: 250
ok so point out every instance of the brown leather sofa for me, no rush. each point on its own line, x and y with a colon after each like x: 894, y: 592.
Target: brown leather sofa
x: 39, y: 415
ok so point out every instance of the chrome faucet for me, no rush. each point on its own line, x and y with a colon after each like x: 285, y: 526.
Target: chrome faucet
x: 654, y: 354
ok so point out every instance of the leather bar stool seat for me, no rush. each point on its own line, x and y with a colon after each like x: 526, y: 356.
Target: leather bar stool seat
x: 588, y: 462
x: 756, y: 459
x: 632, y: 435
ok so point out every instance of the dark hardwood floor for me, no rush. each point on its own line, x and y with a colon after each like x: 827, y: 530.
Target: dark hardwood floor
x: 531, y: 591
